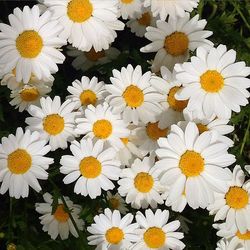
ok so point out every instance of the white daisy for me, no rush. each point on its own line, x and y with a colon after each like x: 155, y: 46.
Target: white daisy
x: 233, y: 203
x: 213, y: 83
x: 59, y: 222
x: 132, y: 95
x: 99, y: 123
x: 87, y: 91
x: 129, y: 8
x: 174, y: 9
x: 140, y: 184
x: 29, y: 44
x: 174, y: 39
x: 86, y: 60
x: 111, y: 231
x: 54, y: 121
x: 116, y: 202
x: 156, y: 233
x: 191, y: 163
x: 22, y: 162
x: 92, y: 166
x: 87, y: 23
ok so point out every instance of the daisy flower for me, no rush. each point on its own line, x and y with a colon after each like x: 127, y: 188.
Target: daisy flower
x: 213, y: 82
x: 156, y: 233
x: 132, y: 95
x: 233, y: 204
x: 92, y: 166
x: 54, y: 121
x: 86, y: 60
x: 174, y: 9
x: 30, y: 44
x: 23, y: 162
x: 139, y: 24
x: 59, y: 222
x: 191, y: 163
x: 87, y: 91
x: 116, y: 202
x: 87, y: 23
x: 99, y: 123
x: 174, y: 39
x: 130, y: 8
x: 111, y: 231
x: 140, y: 184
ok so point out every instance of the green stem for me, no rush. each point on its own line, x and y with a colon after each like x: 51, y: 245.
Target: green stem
x: 245, y: 138
x: 10, y: 220
x: 241, y: 14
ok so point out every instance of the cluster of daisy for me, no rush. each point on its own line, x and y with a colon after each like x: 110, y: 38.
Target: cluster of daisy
x: 159, y: 137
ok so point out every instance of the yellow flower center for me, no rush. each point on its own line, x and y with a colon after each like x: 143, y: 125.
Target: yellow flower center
x: 53, y: 124
x: 114, y: 203
x: 60, y: 214
x: 176, y: 105
x: 102, y: 129
x: 127, y: 1
x: 154, y: 237
x: 212, y: 81
x: 133, y: 96
x: 245, y: 236
x: 29, y: 44
x: 237, y: 197
x: 176, y: 44
x: 202, y: 128
x: 143, y: 182
x: 124, y: 140
x: 29, y: 95
x: 19, y: 161
x: 145, y: 19
x: 90, y: 167
x: 191, y: 163
x: 154, y: 132
x: 88, y: 97
x: 79, y: 10
x: 94, y: 56
x: 114, y: 235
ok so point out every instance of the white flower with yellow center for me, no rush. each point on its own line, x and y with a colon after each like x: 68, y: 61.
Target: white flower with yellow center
x: 30, y: 44
x: 173, y: 8
x: 86, y: 60
x: 116, y: 202
x: 92, y: 166
x: 58, y: 222
x: 233, y: 204
x: 111, y: 231
x: 23, y: 163
x: 213, y: 82
x: 174, y: 39
x: 139, y: 23
x: 156, y: 233
x: 191, y: 163
x: 87, y: 23
x: 54, y: 121
x: 100, y: 123
x: 87, y: 91
x: 129, y: 8
x: 132, y: 95
x: 140, y: 184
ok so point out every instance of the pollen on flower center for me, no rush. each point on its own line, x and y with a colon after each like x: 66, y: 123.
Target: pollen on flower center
x: 29, y: 44
x: 79, y: 10
x: 90, y: 167
x: 154, y: 237
x: 245, y: 236
x: 114, y: 203
x: 145, y: 19
x: 177, y: 105
x: 133, y: 96
x: 53, y: 124
x: 102, y: 129
x: 143, y: 182
x: 88, y: 97
x: 237, y: 197
x: 94, y: 56
x: 154, y: 132
x: 19, y: 161
x: 114, y: 235
x: 60, y: 214
x: 212, y: 81
x: 191, y: 163
x: 202, y: 128
x: 125, y: 140
x: 176, y: 44
x: 29, y: 94
x: 127, y: 1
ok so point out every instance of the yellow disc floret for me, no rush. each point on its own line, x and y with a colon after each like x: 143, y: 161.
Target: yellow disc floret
x: 143, y: 182
x: 102, y: 129
x: 133, y: 96
x: 177, y: 105
x: 88, y: 97
x: 29, y: 94
x: 53, y: 124
x: 237, y: 197
x: 154, y: 237
x: 90, y: 167
x: 114, y: 235
x: 154, y: 132
x: 212, y: 81
x: 60, y: 214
